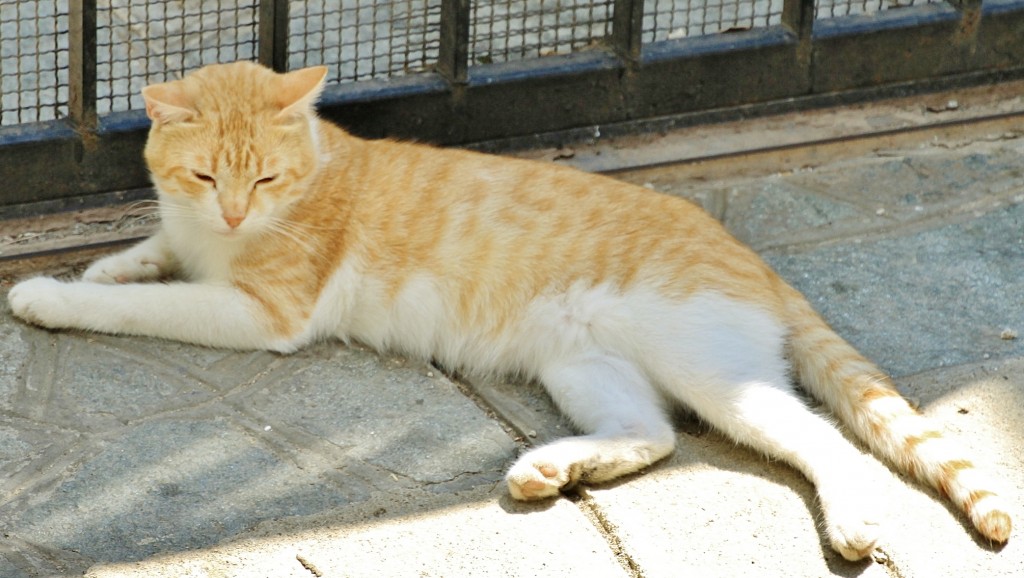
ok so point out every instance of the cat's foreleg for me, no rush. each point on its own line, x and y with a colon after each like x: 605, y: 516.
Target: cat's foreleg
x: 149, y: 260
x: 213, y: 315
x: 621, y: 414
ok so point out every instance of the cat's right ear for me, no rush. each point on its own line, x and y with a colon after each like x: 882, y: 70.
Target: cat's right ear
x: 298, y: 91
x: 166, y: 103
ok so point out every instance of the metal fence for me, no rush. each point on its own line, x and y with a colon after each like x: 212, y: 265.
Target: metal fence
x: 455, y: 71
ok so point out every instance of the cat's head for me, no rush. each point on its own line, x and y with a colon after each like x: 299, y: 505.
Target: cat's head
x: 232, y: 146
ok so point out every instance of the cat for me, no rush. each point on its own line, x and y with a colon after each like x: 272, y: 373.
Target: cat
x: 282, y: 229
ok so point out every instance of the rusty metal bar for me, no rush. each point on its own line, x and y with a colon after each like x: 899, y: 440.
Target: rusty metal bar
x: 273, y: 34
x: 963, y: 4
x: 798, y: 17
x: 627, y: 29
x: 453, y: 57
x: 82, y: 65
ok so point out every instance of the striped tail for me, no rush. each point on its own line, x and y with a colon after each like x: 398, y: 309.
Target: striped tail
x: 867, y: 402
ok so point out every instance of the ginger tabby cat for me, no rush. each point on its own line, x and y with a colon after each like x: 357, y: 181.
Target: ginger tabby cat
x: 282, y: 229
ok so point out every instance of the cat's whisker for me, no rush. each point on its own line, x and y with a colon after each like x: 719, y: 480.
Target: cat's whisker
x: 141, y: 209
x: 180, y: 214
x: 313, y: 227
x: 147, y: 204
x: 296, y: 234
x: 297, y: 228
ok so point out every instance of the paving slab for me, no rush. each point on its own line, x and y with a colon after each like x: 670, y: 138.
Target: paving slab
x: 938, y: 298
x: 716, y: 509
x: 982, y: 404
x: 479, y: 532
x: 932, y: 282
x: 117, y: 449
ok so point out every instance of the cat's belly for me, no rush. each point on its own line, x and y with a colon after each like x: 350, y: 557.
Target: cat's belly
x: 708, y: 334
x: 422, y: 319
x: 418, y: 320
x: 355, y: 306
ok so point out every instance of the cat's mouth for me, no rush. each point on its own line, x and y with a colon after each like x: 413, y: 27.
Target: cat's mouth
x: 228, y: 232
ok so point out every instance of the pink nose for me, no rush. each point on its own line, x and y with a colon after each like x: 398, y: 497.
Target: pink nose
x: 234, y: 221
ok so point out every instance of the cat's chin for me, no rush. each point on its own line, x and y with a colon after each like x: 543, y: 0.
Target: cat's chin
x: 229, y: 234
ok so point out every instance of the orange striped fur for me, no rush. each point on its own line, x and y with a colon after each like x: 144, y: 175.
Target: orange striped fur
x: 283, y: 229
x: 866, y: 401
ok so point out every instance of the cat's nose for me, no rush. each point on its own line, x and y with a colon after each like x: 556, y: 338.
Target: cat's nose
x: 234, y: 221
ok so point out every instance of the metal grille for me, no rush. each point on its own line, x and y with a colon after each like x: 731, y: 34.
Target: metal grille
x: 520, y: 29
x: 672, y: 19
x: 833, y: 8
x: 33, y: 60
x: 365, y: 39
x: 143, y: 42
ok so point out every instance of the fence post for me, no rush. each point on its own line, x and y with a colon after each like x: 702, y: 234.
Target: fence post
x: 627, y: 28
x: 453, y: 54
x: 82, y: 65
x: 963, y: 4
x: 273, y: 34
x: 798, y: 16
x: 966, y: 35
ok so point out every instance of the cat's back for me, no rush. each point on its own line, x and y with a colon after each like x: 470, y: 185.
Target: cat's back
x: 507, y: 219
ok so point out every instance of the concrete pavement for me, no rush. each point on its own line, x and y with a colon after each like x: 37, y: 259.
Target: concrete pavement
x: 138, y: 457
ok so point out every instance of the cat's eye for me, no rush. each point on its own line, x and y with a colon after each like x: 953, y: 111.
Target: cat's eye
x: 266, y: 180
x: 202, y: 177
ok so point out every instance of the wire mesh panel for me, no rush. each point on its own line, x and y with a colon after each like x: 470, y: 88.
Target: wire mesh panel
x: 363, y: 39
x: 833, y: 8
x: 672, y: 19
x: 143, y: 42
x: 502, y: 31
x: 33, y: 60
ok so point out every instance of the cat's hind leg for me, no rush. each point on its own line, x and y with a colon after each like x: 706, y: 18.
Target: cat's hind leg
x: 723, y: 359
x: 768, y: 417
x: 621, y: 415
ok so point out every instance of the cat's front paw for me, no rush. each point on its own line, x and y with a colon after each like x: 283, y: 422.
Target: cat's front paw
x: 536, y: 476
x: 40, y: 301
x: 127, y: 267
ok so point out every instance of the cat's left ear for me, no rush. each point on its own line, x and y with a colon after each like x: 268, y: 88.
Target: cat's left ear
x: 298, y: 91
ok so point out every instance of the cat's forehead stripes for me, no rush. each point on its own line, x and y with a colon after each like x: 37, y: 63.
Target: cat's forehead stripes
x: 237, y: 154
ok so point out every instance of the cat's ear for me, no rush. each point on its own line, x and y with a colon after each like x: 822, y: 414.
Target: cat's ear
x: 298, y: 91
x: 167, y: 103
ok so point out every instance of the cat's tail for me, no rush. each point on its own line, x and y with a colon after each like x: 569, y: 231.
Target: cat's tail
x: 867, y: 402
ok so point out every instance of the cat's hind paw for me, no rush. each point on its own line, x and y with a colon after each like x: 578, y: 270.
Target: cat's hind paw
x: 543, y: 472
x: 528, y: 481
x: 853, y: 536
